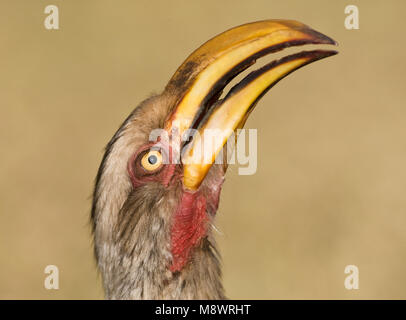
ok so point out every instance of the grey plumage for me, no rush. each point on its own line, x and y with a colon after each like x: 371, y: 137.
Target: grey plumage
x: 132, y: 227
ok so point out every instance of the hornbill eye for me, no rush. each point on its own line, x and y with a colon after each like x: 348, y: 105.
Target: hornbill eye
x: 152, y: 160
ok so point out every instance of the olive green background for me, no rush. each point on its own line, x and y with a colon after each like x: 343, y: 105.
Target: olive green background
x: 331, y: 180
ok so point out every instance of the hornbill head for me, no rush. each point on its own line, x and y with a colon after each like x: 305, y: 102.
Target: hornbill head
x: 157, y: 190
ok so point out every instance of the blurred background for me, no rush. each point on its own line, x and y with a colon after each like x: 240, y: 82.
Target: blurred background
x: 331, y: 180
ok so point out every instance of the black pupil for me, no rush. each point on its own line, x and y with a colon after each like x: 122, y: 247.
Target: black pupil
x: 152, y: 159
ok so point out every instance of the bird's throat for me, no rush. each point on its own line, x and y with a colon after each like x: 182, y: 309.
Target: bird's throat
x: 189, y: 226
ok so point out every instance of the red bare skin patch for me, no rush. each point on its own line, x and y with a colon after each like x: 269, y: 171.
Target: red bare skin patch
x: 189, y: 227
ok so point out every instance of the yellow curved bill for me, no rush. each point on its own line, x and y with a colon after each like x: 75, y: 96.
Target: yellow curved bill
x: 233, y: 110
x: 208, y: 69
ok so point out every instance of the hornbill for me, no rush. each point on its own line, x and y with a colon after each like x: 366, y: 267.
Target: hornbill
x: 155, y: 199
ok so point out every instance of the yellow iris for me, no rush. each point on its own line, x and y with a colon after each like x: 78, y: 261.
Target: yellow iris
x: 152, y: 160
